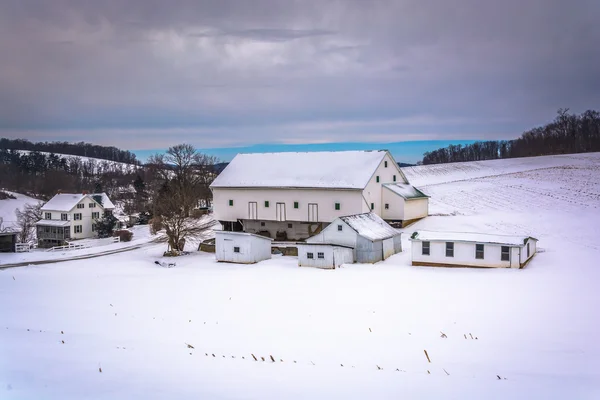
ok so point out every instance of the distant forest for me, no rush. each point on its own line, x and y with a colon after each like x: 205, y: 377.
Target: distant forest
x: 74, y: 149
x: 568, y: 133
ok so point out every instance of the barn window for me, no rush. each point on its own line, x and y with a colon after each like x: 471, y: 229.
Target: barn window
x: 337, y: 206
x: 425, y: 248
x: 449, y: 249
x: 230, y: 203
x: 266, y: 203
x: 377, y: 178
x: 372, y: 206
x: 505, y: 256
x: 479, y: 251
x: 290, y: 226
x: 387, y: 206
x: 394, y: 177
x: 262, y: 224
x: 385, y: 164
x: 48, y: 215
x: 320, y: 255
x: 296, y: 205
x: 527, y: 250
x: 310, y: 255
x: 339, y: 227
x: 236, y: 249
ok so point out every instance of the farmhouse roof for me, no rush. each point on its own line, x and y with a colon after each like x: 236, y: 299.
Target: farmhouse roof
x: 370, y: 226
x: 66, y: 201
x: 63, y: 202
x: 509, y: 240
x: 106, y: 203
x: 327, y: 169
x: 405, y: 190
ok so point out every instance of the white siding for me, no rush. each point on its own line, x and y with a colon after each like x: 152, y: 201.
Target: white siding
x: 333, y: 256
x: 350, y: 203
x: 373, y: 190
x: 416, y: 208
x: 532, y: 250
x: 252, y: 248
x: 345, y: 237
x: 464, y: 255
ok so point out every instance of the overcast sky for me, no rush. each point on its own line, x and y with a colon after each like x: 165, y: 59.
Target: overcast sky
x: 147, y: 74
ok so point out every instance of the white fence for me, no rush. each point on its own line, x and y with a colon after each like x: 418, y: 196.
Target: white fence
x: 24, y: 247
x: 71, y: 246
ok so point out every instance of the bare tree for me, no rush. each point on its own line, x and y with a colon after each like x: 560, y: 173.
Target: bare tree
x: 185, y: 176
x: 26, y: 220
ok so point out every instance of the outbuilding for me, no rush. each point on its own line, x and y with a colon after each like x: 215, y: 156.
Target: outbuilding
x: 371, y: 238
x: 241, y: 247
x: 8, y: 242
x: 324, y: 255
x: 460, y: 249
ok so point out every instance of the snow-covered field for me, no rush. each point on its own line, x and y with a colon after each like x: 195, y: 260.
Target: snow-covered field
x: 121, y: 326
x: 8, y: 207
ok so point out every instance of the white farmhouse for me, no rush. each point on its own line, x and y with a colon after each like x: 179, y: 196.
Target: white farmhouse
x: 241, y: 247
x: 292, y: 196
x: 459, y: 249
x: 71, y: 216
x: 369, y: 236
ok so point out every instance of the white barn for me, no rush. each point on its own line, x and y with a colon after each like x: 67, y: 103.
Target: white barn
x: 370, y: 237
x: 459, y: 249
x: 241, y: 247
x: 292, y: 196
x: 324, y: 255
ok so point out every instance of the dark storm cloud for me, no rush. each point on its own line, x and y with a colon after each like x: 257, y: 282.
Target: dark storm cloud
x: 150, y: 73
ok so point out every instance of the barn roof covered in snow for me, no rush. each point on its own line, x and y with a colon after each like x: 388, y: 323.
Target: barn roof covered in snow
x: 406, y: 191
x: 370, y: 226
x: 326, y: 169
x: 509, y: 240
x: 63, y: 202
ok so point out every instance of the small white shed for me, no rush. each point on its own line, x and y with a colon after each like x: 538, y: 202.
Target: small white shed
x: 324, y: 255
x: 241, y: 247
x: 371, y: 238
x: 460, y: 249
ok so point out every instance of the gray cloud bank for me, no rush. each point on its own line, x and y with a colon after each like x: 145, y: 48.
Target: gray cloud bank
x: 149, y: 73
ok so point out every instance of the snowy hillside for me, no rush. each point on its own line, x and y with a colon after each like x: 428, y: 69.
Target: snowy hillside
x: 8, y: 207
x: 443, y: 173
x: 120, y: 165
x: 121, y: 326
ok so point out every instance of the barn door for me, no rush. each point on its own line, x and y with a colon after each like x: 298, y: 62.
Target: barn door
x: 252, y: 210
x: 280, y: 211
x: 313, y: 212
x: 388, y: 248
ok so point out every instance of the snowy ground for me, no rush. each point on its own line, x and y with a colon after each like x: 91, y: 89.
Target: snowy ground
x: 8, y: 207
x: 355, y: 332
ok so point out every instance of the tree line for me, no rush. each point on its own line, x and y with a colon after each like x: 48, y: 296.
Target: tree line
x: 567, y: 133
x: 80, y: 149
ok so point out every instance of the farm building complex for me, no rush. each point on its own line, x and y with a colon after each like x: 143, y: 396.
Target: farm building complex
x: 370, y: 238
x: 458, y: 249
x: 292, y: 196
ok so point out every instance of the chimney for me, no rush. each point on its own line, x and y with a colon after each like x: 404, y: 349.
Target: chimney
x: 84, y: 192
x: 59, y: 191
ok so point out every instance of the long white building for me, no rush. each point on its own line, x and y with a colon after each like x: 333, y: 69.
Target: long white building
x: 295, y: 195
